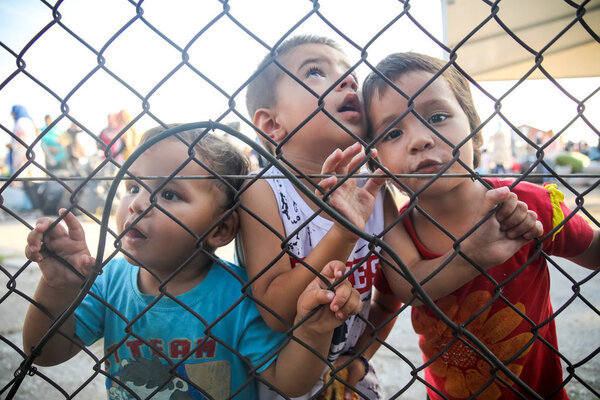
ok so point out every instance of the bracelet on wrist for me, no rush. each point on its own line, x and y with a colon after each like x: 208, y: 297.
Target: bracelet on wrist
x: 360, y: 357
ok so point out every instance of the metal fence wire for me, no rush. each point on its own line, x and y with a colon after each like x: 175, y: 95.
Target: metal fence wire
x: 91, y: 194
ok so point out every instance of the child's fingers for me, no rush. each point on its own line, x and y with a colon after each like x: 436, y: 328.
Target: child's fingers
x: 76, y: 231
x: 373, y: 185
x: 317, y: 292
x: 517, y: 217
x: 494, y: 197
x: 358, y: 157
x: 322, y: 296
x: 514, y: 216
x: 313, y: 297
x: 34, y: 239
x: 339, y: 162
x: 342, y: 295
x: 535, y: 232
x: 51, y: 231
x: 329, y: 167
x: 35, y: 236
x: 326, y: 184
x: 85, y: 263
x: 346, y: 301
x: 330, y: 164
x: 33, y: 253
x: 42, y: 224
x: 507, y: 208
x: 350, y: 156
x: 529, y: 227
x: 511, y: 213
x: 332, y: 270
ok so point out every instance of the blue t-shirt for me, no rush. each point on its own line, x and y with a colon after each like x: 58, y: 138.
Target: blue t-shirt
x: 193, y: 338
x: 55, y: 149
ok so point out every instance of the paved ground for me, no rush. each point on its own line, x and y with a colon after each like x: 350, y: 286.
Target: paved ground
x: 578, y: 327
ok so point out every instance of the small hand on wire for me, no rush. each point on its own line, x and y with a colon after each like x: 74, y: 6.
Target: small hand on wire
x: 352, y: 201
x: 52, y: 247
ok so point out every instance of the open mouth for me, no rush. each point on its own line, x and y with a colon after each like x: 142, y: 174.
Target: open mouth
x: 133, y: 233
x: 350, y: 104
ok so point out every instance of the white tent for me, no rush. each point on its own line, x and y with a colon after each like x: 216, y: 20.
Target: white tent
x: 570, y: 47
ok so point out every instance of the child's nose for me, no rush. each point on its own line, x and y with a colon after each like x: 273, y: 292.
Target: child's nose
x: 421, y: 140
x: 348, y: 82
x: 140, y: 202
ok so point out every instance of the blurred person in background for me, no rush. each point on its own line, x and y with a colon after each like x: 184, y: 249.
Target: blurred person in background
x: 594, y: 152
x: 83, y: 149
x: 108, y: 135
x: 20, y: 195
x: 25, y: 133
x: 55, y: 145
x: 131, y: 137
x: 73, y: 147
x: 501, y: 153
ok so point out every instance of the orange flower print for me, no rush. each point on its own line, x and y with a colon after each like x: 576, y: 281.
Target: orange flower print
x: 465, y: 372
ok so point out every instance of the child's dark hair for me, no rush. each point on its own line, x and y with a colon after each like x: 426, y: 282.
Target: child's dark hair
x: 261, y: 90
x: 397, y: 64
x: 218, y: 155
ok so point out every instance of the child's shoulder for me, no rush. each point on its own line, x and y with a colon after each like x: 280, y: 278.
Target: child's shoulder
x: 535, y: 196
x: 228, y: 285
x: 116, y: 267
x: 116, y: 276
x: 275, y: 191
x: 259, y: 186
x: 229, y: 273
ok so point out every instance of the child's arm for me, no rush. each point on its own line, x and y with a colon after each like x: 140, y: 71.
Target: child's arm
x: 491, y: 244
x: 591, y: 257
x: 297, y: 367
x: 279, y: 285
x: 57, y: 287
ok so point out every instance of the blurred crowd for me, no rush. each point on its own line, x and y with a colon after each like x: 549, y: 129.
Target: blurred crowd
x: 76, y: 152
x: 506, y: 152
x: 73, y: 152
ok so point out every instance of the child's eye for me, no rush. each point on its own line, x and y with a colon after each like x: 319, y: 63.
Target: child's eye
x: 169, y: 195
x: 314, y: 72
x: 393, y: 134
x: 132, y: 188
x: 437, y: 118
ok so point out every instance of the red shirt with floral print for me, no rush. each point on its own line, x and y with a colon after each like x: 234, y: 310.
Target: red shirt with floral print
x: 511, y: 317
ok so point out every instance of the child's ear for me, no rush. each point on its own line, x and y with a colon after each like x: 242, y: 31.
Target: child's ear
x: 266, y: 120
x: 477, y: 141
x: 224, y: 233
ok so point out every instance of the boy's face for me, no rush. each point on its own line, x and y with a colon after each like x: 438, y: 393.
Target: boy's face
x: 318, y: 66
x: 157, y: 240
x: 410, y: 147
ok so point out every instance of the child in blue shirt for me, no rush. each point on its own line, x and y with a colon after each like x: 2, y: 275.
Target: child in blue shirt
x: 175, y: 319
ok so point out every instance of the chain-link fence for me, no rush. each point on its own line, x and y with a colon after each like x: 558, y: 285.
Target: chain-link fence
x: 176, y: 76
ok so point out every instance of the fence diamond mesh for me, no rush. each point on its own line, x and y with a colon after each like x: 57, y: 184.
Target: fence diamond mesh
x: 190, y: 63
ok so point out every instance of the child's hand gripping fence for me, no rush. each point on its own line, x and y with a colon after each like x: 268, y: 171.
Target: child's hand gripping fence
x: 399, y: 365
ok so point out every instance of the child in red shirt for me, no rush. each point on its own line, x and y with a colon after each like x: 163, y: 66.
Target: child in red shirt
x: 427, y: 124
